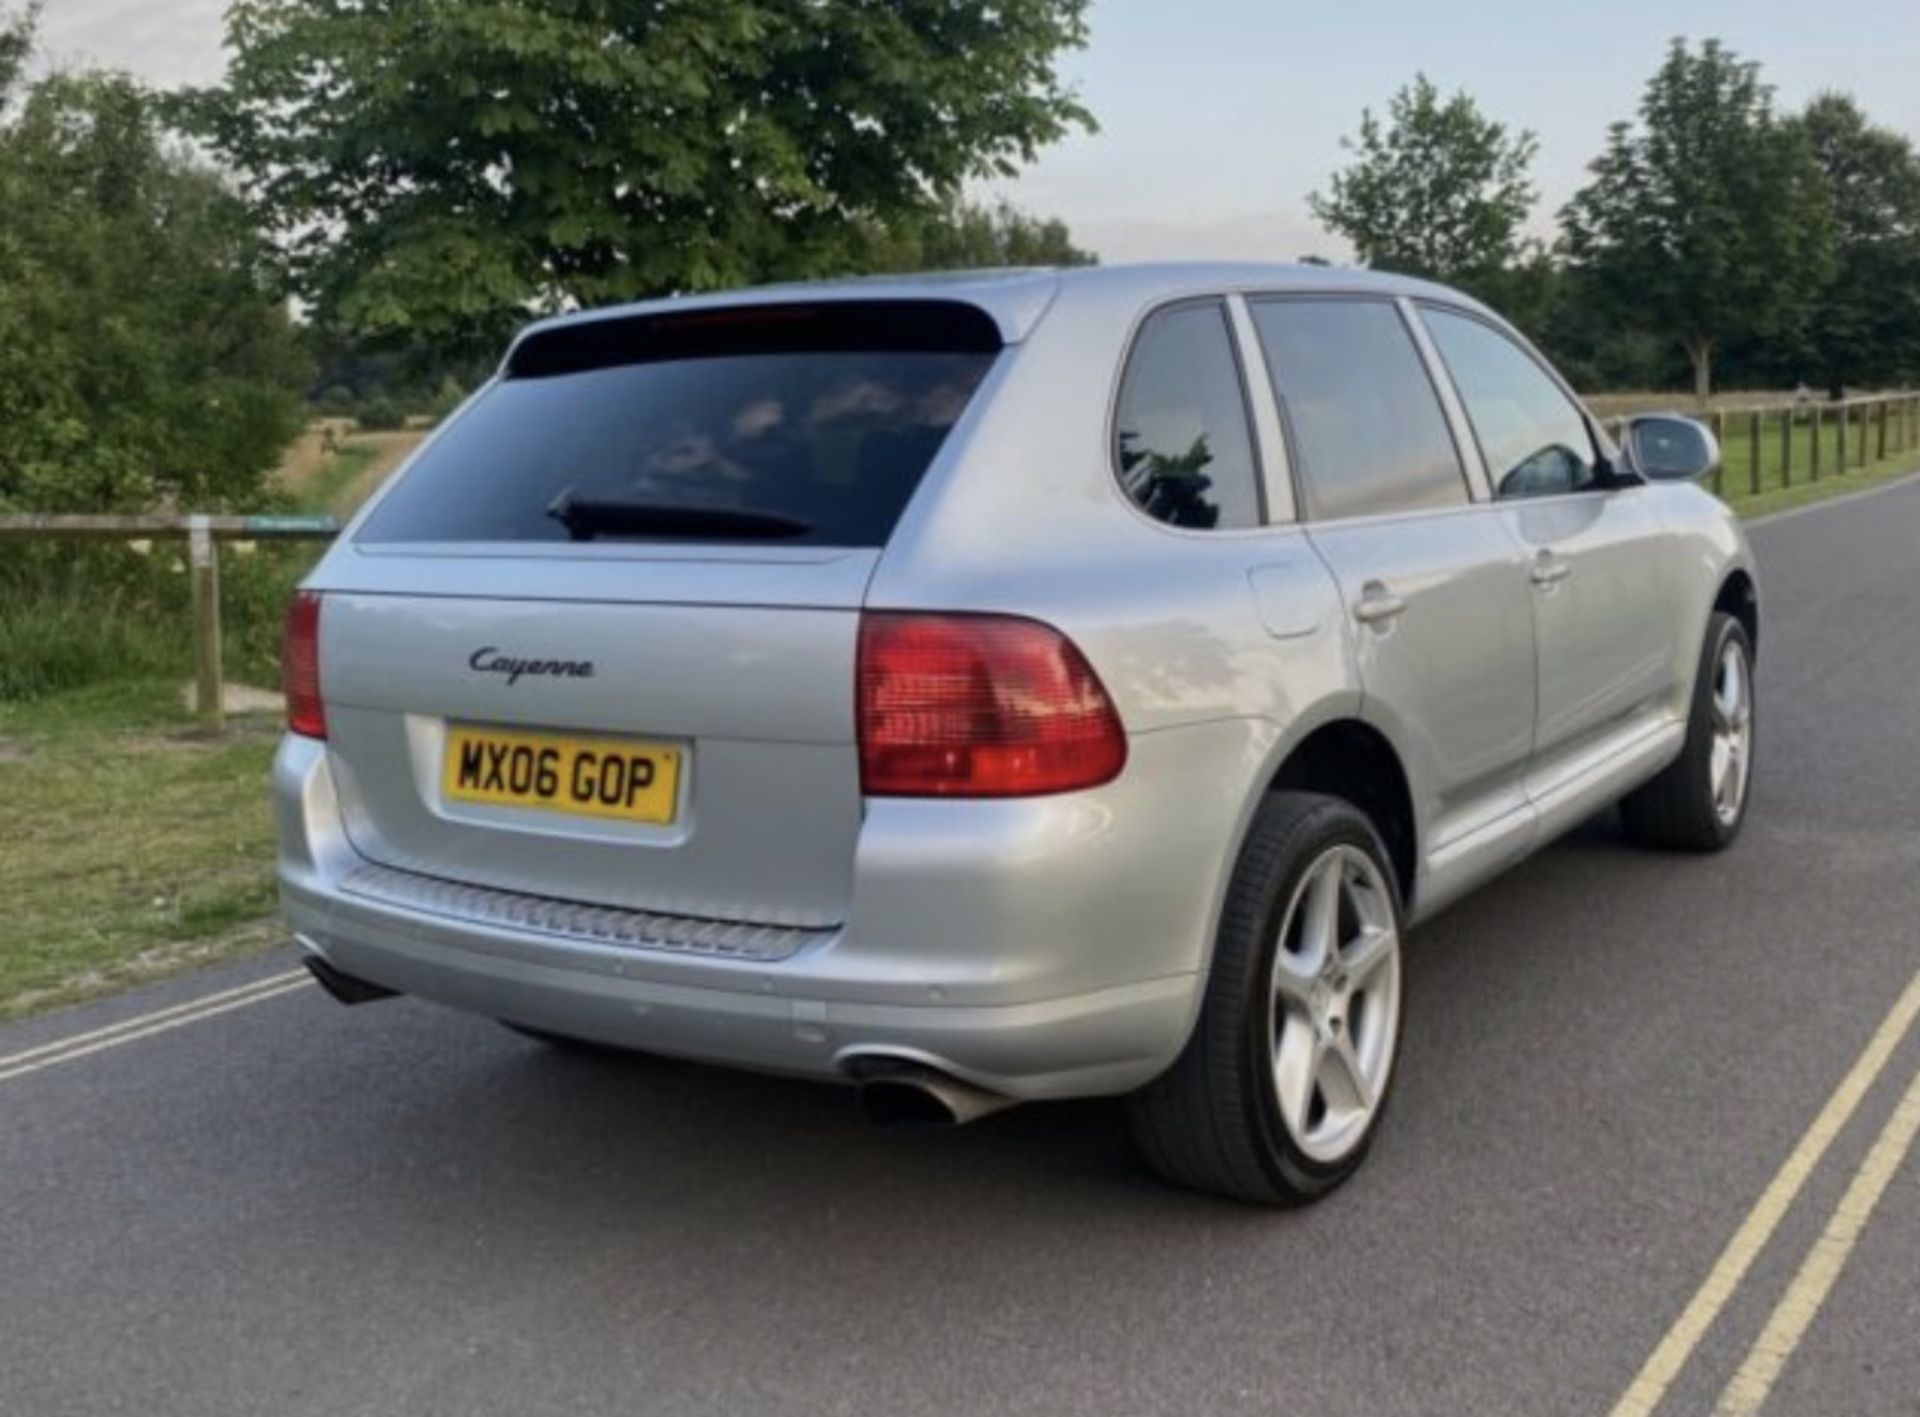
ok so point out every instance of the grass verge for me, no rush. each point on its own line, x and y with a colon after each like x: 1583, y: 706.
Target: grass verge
x: 130, y: 847
x: 1785, y: 466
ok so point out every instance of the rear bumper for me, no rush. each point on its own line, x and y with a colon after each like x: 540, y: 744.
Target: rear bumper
x: 1050, y: 948
x: 1106, y: 1042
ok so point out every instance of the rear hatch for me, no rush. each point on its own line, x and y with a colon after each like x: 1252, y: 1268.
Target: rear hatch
x: 597, y: 644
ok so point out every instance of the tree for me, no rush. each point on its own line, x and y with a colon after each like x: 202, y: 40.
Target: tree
x: 967, y: 236
x: 1868, y: 325
x: 16, y: 47
x: 142, y: 358
x: 1708, y: 222
x: 435, y: 170
x: 1439, y: 190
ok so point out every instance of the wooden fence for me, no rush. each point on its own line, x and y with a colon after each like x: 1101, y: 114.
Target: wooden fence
x: 1834, y: 437
x: 203, y: 535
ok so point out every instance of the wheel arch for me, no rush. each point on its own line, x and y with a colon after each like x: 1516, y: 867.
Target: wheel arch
x: 1739, y: 597
x: 1349, y: 758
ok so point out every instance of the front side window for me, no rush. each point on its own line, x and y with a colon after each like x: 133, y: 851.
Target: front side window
x: 1181, y: 442
x: 1534, y: 440
x: 1367, y: 427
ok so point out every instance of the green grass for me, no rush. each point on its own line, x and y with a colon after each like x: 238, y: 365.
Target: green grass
x: 130, y: 847
x: 77, y: 614
x: 1786, y: 476
x: 327, y: 491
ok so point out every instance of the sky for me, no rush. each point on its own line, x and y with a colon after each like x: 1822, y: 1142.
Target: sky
x: 1218, y: 117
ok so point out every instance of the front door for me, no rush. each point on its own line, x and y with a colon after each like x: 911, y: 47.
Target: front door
x: 1603, y: 619
x: 1601, y: 588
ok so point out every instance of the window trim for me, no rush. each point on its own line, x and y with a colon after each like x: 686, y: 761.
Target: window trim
x: 1604, y: 454
x: 1472, y: 471
x: 1283, y: 496
x: 1220, y: 300
x: 1472, y: 455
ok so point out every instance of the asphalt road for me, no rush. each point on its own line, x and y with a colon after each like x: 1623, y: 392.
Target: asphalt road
x: 288, y: 1207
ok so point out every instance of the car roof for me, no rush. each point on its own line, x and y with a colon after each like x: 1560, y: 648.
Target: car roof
x: 1016, y: 297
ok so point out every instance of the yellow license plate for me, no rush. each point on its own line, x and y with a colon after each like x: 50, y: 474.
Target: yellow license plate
x: 585, y: 777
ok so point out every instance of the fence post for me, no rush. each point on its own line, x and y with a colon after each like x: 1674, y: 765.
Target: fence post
x: 204, y: 566
x: 1717, y: 421
x: 1786, y: 446
x: 1753, y: 452
x: 1880, y: 437
x: 1840, y: 444
x: 1814, y: 443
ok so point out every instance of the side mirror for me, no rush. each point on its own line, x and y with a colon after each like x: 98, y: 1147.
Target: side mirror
x: 1664, y: 447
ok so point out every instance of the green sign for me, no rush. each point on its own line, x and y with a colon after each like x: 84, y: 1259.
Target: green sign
x: 283, y: 525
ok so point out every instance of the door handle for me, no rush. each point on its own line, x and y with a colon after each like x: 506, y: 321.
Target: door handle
x: 1549, y: 569
x: 1377, y: 605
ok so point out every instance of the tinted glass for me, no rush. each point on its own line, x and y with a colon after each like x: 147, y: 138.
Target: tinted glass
x: 1180, y: 440
x: 1366, y: 423
x: 1532, y: 436
x: 836, y: 440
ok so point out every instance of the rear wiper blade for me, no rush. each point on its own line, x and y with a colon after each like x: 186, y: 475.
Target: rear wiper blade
x: 587, y: 517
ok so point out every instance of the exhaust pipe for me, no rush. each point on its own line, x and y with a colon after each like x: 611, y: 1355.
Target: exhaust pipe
x: 905, y: 1094
x: 344, y: 987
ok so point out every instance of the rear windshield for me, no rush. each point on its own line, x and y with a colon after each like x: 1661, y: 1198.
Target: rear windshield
x: 805, y: 424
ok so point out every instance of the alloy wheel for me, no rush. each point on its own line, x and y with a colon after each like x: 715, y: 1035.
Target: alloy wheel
x: 1731, y: 760
x: 1335, y: 1003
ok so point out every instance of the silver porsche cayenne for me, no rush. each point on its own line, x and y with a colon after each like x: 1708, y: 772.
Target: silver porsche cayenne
x: 1004, y: 687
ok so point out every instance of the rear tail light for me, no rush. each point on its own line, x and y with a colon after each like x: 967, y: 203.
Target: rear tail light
x: 300, y: 667
x: 979, y: 706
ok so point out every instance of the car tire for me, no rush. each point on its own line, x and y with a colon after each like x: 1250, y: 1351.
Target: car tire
x: 1278, y: 1094
x: 1699, y: 801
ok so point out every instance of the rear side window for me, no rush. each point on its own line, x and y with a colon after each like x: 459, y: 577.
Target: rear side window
x: 1181, y: 443
x: 1533, y: 438
x: 1366, y: 423
x: 797, y: 424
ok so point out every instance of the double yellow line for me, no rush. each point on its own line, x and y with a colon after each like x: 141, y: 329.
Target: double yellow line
x: 80, y: 1045
x: 1747, y: 1391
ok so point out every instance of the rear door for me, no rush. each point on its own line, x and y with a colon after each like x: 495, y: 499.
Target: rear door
x: 597, y: 643
x: 1435, y: 587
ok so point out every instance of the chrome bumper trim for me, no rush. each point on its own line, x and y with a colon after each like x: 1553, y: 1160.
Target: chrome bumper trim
x: 576, y: 921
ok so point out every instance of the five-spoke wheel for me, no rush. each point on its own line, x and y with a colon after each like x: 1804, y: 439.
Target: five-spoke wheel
x: 1731, y: 757
x: 1279, y: 1092
x: 1699, y: 801
x: 1336, y: 1001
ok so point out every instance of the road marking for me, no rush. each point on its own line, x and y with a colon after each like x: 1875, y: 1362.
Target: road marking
x: 138, y: 1020
x: 80, y: 1045
x: 1663, y: 1365
x: 1748, y: 1389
